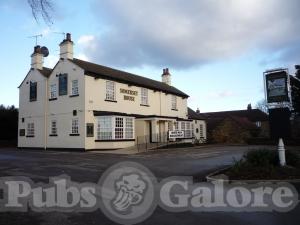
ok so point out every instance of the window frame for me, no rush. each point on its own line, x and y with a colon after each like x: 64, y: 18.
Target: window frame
x: 75, y: 88
x: 53, y: 91
x: 110, y: 92
x: 144, y: 96
x: 33, y: 91
x: 75, y: 127
x: 53, y: 128
x: 119, y: 128
x: 30, y: 131
x: 63, y: 86
x: 174, y: 102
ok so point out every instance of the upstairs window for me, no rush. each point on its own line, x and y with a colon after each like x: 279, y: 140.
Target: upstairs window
x: 174, y: 102
x: 144, y: 96
x: 75, y: 88
x: 63, y: 84
x: 53, y: 91
x: 30, y: 129
x: 33, y: 91
x: 110, y: 91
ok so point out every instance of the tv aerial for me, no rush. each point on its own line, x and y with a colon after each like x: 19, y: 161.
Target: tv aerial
x: 36, y: 37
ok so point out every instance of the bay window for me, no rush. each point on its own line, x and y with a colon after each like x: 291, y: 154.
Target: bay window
x: 115, y: 128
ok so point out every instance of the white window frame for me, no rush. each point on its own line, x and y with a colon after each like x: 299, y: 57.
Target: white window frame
x: 174, y: 102
x: 201, y: 130
x: 75, y: 126
x: 144, y: 96
x: 110, y: 91
x: 258, y: 124
x: 74, y: 88
x: 30, y: 129
x: 115, y: 128
x: 53, y: 127
x: 53, y: 91
x: 129, y: 129
x: 104, y: 128
x: 187, y: 128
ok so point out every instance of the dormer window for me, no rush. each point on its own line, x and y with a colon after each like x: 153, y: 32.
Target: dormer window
x: 33, y: 91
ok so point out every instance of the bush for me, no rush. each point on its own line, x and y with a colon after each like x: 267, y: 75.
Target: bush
x: 269, y: 158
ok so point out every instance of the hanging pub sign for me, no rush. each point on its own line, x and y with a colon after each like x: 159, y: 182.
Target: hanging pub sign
x: 277, y: 86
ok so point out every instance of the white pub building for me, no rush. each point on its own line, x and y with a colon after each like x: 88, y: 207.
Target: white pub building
x: 82, y: 105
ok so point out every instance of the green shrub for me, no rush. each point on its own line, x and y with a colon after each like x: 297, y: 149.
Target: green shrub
x: 269, y: 158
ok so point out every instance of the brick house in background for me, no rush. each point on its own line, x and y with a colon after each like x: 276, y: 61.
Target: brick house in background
x: 236, y: 126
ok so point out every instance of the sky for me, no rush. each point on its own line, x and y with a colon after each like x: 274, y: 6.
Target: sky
x: 216, y: 50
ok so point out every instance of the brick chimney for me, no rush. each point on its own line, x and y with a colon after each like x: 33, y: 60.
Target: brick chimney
x: 66, y: 47
x: 166, y: 76
x: 37, y: 58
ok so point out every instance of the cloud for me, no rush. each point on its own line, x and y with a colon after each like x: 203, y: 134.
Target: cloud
x: 184, y: 34
x: 222, y: 94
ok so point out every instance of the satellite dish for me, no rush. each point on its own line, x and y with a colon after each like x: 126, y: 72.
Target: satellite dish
x: 45, y: 51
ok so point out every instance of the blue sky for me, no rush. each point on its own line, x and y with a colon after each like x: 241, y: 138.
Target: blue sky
x: 216, y: 51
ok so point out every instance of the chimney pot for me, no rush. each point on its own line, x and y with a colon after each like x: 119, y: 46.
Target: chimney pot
x: 68, y: 38
x: 167, y: 70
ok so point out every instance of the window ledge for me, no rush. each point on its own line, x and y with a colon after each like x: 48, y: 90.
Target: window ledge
x: 53, y: 135
x: 52, y: 99
x: 107, y: 100
x: 30, y: 136
x: 74, y: 134
x: 32, y: 100
x: 145, y: 105
x: 115, y: 140
x: 175, y: 109
x: 71, y: 96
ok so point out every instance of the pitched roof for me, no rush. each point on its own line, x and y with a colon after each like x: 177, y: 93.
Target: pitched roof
x: 46, y: 71
x: 193, y: 115
x: 252, y: 115
x: 99, y: 71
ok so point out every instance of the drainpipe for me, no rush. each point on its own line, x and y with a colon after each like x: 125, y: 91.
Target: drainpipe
x: 45, y: 115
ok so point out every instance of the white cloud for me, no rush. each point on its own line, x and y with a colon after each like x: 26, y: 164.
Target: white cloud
x: 50, y: 61
x: 220, y: 94
x: 188, y: 33
x: 82, y: 56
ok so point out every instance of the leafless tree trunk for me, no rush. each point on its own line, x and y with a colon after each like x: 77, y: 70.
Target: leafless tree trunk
x: 41, y: 8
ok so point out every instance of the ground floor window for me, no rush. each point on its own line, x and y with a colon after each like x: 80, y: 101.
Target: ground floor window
x: 30, y: 129
x: 115, y: 128
x: 53, y: 127
x: 75, y: 126
x: 201, y: 130
x: 187, y: 127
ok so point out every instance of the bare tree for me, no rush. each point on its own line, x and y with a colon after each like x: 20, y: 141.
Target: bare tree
x: 262, y: 105
x: 42, y: 8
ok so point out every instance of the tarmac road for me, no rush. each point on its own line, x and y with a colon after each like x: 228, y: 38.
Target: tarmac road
x: 88, y: 167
